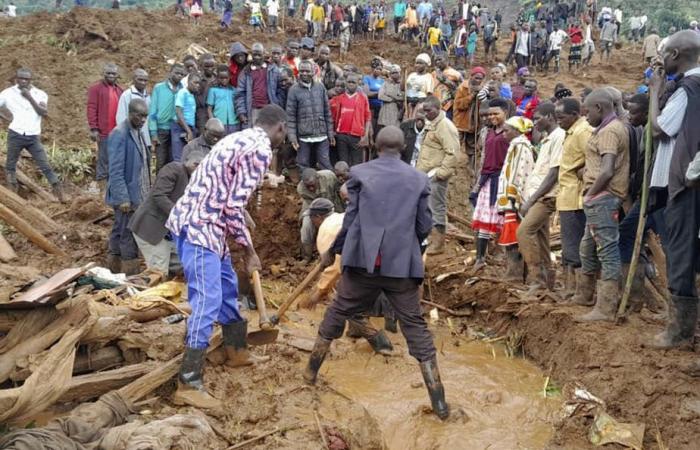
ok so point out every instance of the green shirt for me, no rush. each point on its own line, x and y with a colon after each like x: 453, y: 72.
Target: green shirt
x: 161, y: 112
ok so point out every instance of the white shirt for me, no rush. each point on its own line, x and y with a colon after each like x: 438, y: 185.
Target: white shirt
x: 25, y: 119
x: 523, y: 47
x: 307, y: 14
x: 273, y: 8
x: 123, y: 109
x: 618, y: 15
x: 556, y: 38
x: 635, y: 23
x: 458, y: 39
x: 11, y: 11
x: 643, y: 20
x: 465, y: 11
x: 254, y: 7
x: 670, y: 121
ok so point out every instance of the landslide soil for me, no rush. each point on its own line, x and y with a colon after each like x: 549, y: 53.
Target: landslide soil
x: 66, y: 52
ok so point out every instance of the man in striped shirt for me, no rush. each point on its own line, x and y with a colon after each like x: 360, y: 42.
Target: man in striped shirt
x: 210, y: 211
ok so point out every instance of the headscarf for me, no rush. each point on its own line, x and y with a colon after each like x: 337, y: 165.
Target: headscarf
x: 522, y: 124
x: 523, y: 71
x: 423, y: 57
x: 477, y: 70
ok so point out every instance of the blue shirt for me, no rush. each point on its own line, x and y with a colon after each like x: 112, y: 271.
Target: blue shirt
x: 424, y: 10
x: 400, y: 9
x: 221, y: 101
x: 185, y: 100
x: 373, y: 84
x: 506, y: 92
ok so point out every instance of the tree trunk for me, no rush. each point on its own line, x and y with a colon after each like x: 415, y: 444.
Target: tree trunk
x: 29, y: 231
x: 23, y: 208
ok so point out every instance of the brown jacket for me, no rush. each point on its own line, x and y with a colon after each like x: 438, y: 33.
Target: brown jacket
x: 464, y: 108
x: 439, y: 148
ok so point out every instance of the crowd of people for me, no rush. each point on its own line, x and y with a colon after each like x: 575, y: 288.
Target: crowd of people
x: 372, y: 157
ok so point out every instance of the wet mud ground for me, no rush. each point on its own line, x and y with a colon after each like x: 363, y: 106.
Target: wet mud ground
x: 364, y: 401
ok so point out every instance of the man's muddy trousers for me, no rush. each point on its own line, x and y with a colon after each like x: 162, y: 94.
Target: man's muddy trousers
x: 357, y: 292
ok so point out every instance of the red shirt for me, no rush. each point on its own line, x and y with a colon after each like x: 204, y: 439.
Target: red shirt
x: 576, y: 35
x: 495, y: 150
x: 234, y: 70
x: 352, y: 114
x: 103, y: 100
x: 291, y: 62
x: 260, y: 98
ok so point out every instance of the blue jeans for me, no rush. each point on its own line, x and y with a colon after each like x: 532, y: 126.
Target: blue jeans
x: 599, y: 246
x: 212, y: 290
x: 177, y: 142
x: 628, y: 230
x: 321, y: 151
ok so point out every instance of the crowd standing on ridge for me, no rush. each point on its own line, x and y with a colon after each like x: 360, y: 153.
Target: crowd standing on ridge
x: 373, y: 152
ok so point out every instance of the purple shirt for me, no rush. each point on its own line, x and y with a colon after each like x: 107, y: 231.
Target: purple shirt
x: 211, y: 209
x: 259, y: 77
x: 495, y: 150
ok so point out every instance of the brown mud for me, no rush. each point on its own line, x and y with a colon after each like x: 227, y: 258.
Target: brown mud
x: 363, y: 400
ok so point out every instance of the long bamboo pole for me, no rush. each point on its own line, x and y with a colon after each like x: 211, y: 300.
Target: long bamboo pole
x: 639, y: 238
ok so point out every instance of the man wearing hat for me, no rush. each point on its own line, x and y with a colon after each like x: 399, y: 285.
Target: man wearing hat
x: 148, y: 223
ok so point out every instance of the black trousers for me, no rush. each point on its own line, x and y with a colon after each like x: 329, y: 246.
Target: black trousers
x: 164, y: 153
x: 573, y: 224
x: 356, y: 293
x: 682, y: 216
x: 347, y: 149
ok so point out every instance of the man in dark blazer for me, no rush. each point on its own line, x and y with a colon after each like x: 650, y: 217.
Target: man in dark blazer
x: 148, y: 222
x: 129, y: 181
x: 385, y: 222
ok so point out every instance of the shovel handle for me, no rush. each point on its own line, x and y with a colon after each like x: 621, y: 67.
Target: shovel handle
x: 260, y: 301
x: 293, y: 296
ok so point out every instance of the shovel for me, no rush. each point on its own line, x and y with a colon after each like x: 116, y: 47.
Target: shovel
x: 266, y: 334
x: 275, y: 319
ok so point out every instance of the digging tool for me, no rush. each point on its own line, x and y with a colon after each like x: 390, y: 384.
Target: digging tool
x: 266, y: 334
x: 275, y: 319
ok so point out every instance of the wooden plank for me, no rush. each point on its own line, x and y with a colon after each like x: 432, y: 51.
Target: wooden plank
x: 7, y: 253
x: 24, y: 209
x: 41, y: 294
x: 90, y: 386
x: 23, y: 227
x: 459, y: 219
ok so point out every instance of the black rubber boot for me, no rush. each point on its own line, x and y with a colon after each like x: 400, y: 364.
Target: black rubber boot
x: 681, y: 324
x: 318, y: 354
x: 481, y: 246
x: 190, y: 382
x: 515, y: 267
x: 390, y: 324
x: 431, y: 376
x: 381, y: 344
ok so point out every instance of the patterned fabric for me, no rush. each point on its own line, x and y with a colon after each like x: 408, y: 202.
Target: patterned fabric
x: 211, y: 209
x: 510, y: 229
x: 518, y: 166
x: 486, y: 218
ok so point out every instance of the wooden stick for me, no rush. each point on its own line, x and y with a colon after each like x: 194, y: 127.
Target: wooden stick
x: 22, y: 207
x: 459, y: 219
x: 446, y: 309
x: 642, y: 220
x: 320, y: 430
x: 303, y: 285
x: 32, y: 185
x: 7, y: 253
x: 264, y: 435
x: 29, y: 231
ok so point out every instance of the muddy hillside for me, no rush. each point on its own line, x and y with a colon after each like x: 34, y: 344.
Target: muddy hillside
x: 519, y: 373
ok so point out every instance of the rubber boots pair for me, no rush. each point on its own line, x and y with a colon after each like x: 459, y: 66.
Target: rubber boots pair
x: 681, y: 324
x: 437, y: 243
x: 436, y: 391
x: 585, y: 288
x: 318, y: 354
x: 606, y: 302
x: 636, y: 300
x: 190, y: 382
x: 235, y: 336
x: 515, y: 267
